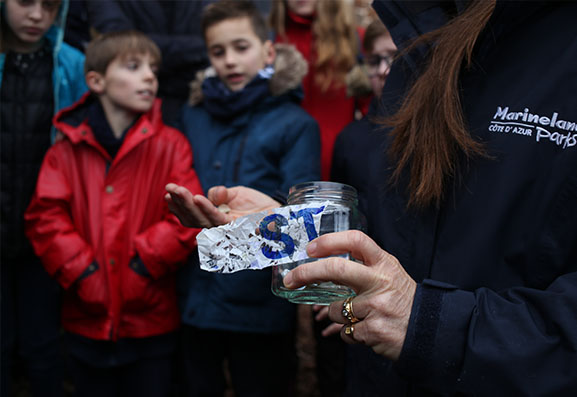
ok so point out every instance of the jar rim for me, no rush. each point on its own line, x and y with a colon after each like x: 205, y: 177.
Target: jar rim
x: 322, y: 190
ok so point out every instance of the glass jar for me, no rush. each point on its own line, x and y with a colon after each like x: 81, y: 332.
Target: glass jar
x: 341, y: 214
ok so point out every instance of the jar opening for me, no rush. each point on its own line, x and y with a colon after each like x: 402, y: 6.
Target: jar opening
x: 322, y: 190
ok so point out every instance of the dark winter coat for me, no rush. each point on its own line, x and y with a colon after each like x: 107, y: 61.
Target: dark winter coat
x: 33, y: 90
x: 271, y: 147
x: 495, y: 312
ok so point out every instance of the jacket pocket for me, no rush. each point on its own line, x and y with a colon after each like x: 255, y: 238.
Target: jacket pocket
x: 140, y: 292
x: 92, y: 289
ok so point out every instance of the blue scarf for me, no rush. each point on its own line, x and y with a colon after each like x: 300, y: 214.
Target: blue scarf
x: 223, y: 103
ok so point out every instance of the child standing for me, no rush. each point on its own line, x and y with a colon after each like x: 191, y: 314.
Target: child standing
x: 100, y: 225
x: 248, y: 129
x: 39, y: 74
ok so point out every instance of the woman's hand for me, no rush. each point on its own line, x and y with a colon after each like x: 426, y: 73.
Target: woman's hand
x: 384, y: 290
x: 221, y: 205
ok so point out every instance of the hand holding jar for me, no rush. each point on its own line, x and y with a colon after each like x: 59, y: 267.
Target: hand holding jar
x: 379, y: 315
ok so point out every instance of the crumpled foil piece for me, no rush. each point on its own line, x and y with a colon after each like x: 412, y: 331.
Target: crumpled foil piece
x: 261, y: 240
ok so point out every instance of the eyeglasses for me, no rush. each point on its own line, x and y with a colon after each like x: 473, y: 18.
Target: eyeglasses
x: 374, y: 61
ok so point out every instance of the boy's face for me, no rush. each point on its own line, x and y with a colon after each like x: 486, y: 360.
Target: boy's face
x: 29, y: 20
x: 236, y: 52
x: 129, y: 84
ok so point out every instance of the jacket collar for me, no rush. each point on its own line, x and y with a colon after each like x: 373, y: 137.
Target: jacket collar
x: 289, y: 70
x: 72, y: 123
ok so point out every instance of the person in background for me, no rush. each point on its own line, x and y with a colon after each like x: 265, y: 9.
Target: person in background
x: 98, y: 222
x: 356, y: 139
x: 245, y: 126
x: 77, y: 32
x: 39, y: 75
x: 351, y: 147
x: 174, y: 26
x: 468, y: 282
x: 324, y: 32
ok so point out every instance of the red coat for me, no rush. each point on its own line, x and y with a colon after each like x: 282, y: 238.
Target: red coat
x: 86, y: 209
x: 332, y: 109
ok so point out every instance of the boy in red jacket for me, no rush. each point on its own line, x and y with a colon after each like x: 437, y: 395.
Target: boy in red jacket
x: 100, y: 225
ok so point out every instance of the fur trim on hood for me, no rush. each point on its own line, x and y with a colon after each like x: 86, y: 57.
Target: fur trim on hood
x: 357, y: 82
x: 289, y: 65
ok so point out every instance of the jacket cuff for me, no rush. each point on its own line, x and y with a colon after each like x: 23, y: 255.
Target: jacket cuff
x: 432, y: 354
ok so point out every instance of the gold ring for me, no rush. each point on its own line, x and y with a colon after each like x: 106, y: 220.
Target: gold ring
x: 349, y: 329
x: 348, y: 310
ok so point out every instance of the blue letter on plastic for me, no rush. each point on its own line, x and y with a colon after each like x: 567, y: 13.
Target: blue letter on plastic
x: 307, y: 215
x: 289, y: 245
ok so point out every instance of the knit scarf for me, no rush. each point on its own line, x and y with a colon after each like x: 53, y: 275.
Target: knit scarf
x: 223, y: 103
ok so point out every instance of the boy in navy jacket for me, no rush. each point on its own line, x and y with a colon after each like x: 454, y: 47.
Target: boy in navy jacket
x: 246, y: 127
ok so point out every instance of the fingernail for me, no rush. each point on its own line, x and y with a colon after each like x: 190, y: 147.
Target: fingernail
x: 311, y: 248
x: 287, y: 280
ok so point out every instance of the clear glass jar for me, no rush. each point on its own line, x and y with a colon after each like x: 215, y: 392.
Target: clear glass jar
x: 342, y: 214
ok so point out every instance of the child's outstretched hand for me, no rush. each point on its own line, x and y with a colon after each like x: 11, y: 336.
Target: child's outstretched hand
x: 221, y: 205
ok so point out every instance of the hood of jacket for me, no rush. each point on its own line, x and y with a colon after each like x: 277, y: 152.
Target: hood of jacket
x: 289, y: 65
x: 56, y: 33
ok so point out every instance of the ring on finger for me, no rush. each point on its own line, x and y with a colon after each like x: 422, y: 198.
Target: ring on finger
x: 349, y: 330
x: 348, y: 312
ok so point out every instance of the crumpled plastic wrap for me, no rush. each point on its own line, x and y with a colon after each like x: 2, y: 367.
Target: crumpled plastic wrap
x: 260, y: 240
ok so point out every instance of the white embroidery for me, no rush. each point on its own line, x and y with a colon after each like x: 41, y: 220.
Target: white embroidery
x: 543, y: 128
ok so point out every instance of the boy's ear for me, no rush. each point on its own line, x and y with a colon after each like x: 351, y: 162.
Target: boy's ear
x: 269, y: 52
x: 95, y: 81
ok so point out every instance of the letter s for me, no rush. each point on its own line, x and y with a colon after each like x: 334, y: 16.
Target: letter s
x: 289, y: 245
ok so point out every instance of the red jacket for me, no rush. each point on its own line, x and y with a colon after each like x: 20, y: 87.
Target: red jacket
x: 332, y: 109
x: 90, y: 217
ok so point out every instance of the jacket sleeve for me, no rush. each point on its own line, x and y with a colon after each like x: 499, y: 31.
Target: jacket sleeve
x: 164, y: 246
x: 49, y: 227
x: 520, y: 341
x: 301, y: 161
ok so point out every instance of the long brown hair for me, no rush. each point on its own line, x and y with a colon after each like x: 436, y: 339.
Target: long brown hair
x: 335, y: 38
x: 429, y: 134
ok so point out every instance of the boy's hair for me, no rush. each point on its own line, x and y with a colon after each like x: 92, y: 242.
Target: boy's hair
x: 229, y: 9
x: 375, y: 30
x: 105, y: 48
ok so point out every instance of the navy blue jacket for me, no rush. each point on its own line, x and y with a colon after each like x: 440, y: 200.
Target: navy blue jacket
x: 495, y: 312
x: 270, y: 147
